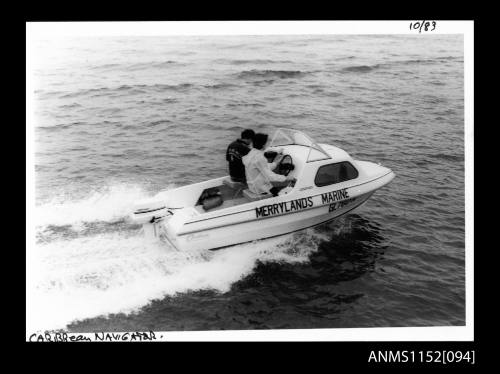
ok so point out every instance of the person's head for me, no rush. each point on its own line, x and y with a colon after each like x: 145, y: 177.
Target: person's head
x: 248, y: 135
x: 259, y: 140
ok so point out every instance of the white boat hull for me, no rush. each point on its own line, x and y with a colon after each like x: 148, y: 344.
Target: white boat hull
x: 189, y: 230
x: 232, y: 234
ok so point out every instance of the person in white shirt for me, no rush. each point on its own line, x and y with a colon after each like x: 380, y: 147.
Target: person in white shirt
x: 260, y: 177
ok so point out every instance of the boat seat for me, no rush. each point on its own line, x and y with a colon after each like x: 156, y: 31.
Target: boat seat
x: 236, y: 186
x: 254, y: 197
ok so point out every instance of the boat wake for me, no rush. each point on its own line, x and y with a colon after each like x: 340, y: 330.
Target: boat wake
x: 108, y: 204
x: 88, y: 261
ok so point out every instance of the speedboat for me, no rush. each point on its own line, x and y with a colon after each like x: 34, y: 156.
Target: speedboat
x: 219, y: 212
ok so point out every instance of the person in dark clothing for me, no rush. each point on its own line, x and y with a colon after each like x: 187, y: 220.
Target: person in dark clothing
x: 234, y: 154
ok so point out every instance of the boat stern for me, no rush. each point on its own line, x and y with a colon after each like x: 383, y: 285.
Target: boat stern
x: 148, y: 210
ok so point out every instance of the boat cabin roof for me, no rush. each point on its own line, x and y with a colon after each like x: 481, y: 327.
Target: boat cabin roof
x: 286, y: 137
x: 304, y: 148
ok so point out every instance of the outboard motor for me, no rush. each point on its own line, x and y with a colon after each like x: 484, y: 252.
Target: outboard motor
x: 149, y: 212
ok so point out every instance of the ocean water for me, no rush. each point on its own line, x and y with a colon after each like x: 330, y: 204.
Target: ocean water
x: 121, y: 118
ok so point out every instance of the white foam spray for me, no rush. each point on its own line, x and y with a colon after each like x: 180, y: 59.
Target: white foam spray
x: 109, y: 204
x: 97, y: 274
x: 87, y: 277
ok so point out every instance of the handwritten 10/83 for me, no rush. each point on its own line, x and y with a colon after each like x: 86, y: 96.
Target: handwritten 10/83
x: 423, y: 24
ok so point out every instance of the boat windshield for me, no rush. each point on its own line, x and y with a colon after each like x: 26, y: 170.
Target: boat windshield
x: 293, y: 137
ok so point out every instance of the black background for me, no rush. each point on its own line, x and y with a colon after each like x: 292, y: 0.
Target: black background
x: 307, y: 357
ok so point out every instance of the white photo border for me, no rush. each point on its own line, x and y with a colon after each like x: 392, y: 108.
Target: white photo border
x: 35, y: 30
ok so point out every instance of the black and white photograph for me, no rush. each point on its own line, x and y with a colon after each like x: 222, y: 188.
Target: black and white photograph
x: 265, y: 180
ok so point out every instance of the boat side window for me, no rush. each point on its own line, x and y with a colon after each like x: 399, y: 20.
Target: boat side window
x: 335, y: 173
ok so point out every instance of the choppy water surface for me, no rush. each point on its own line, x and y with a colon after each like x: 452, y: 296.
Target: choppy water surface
x: 117, y: 119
